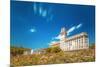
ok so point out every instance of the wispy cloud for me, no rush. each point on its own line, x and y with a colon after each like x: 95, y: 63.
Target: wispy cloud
x: 71, y: 30
x: 52, y: 42
x: 74, y: 28
x: 34, y: 7
x: 78, y: 26
x: 58, y: 37
x: 40, y: 10
x: 44, y: 13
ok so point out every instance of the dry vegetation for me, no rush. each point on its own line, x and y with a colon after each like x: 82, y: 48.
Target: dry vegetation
x: 53, y: 56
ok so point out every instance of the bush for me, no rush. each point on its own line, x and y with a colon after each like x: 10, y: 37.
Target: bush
x: 92, y: 46
x: 53, y: 50
x: 17, y: 50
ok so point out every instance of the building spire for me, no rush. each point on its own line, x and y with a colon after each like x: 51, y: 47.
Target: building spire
x: 63, y: 34
x: 63, y: 31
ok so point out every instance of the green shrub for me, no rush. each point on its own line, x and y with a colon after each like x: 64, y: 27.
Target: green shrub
x: 53, y: 50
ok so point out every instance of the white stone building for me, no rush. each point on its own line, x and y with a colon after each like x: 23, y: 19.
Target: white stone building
x: 28, y: 52
x: 35, y: 51
x: 76, y: 42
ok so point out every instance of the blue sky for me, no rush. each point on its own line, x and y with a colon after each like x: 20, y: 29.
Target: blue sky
x: 35, y: 25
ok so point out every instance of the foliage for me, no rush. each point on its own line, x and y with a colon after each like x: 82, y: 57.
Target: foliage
x: 54, y: 56
x: 17, y: 50
x: 53, y: 50
x: 92, y: 46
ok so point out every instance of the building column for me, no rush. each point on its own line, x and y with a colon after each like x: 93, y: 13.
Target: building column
x: 72, y: 44
x: 81, y: 42
x: 84, y: 42
x: 76, y: 43
x: 88, y: 42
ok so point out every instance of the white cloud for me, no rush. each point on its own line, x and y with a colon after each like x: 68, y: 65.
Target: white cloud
x: 78, y: 26
x: 51, y: 17
x: 32, y: 30
x: 71, y: 30
x: 52, y: 42
x: 35, y: 7
x: 44, y: 13
x: 58, y: 37
x: 74, y: 28
x: 40, y: 10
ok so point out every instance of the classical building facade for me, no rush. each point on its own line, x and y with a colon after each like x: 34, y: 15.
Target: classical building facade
x: 76, y: 42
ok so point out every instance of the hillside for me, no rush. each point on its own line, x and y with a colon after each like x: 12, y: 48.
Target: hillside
x: 54, y: 57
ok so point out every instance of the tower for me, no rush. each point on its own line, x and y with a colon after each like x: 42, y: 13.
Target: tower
x: 63, y: 39
x: 63, y: 34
